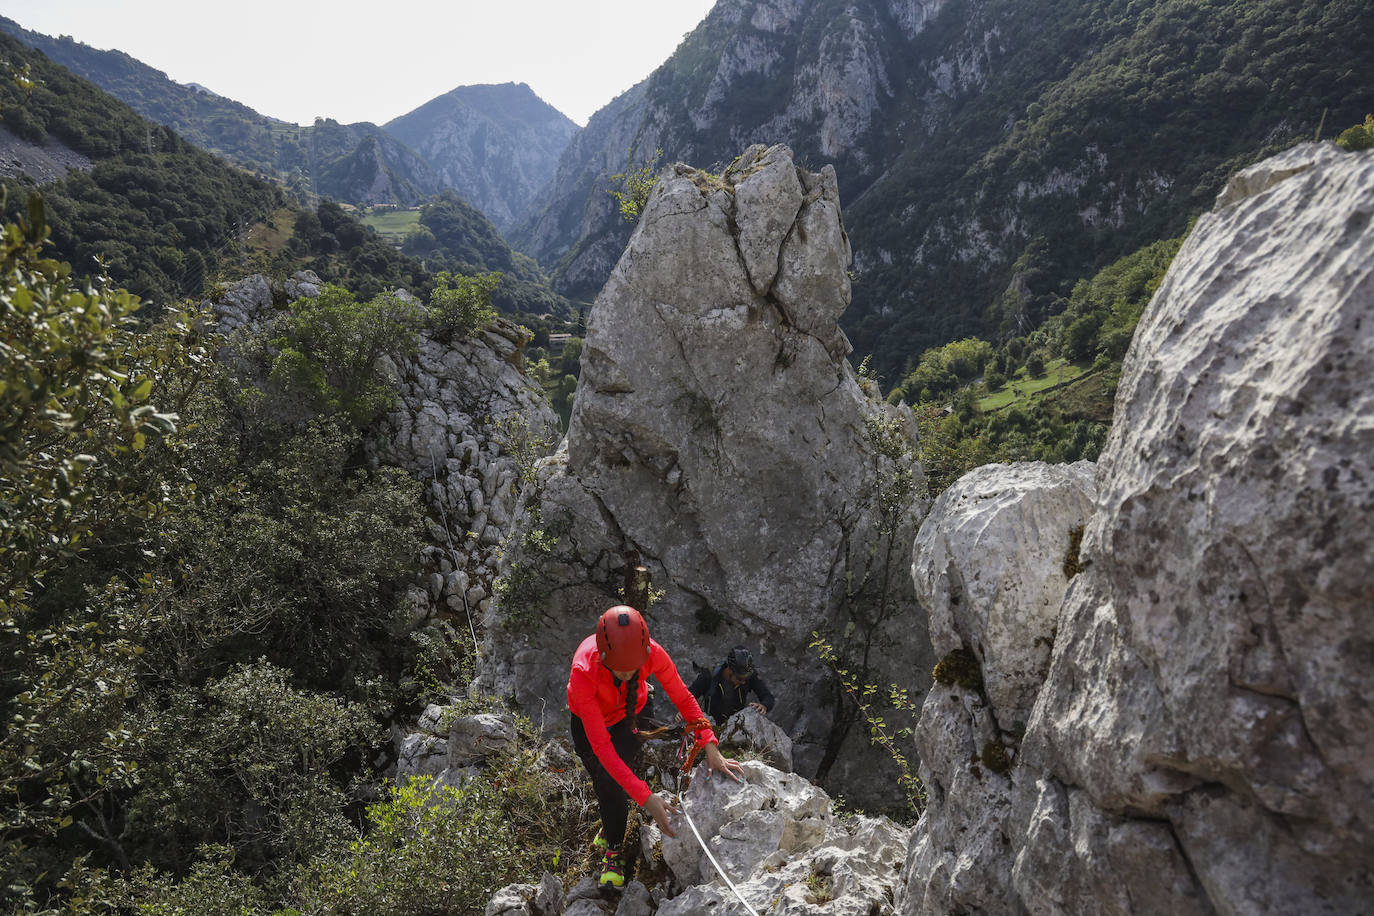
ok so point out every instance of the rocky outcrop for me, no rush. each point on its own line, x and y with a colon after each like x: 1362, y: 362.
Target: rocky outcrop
x: 751, y: 732
x: 465, y: 419
x: 783, y: 847
x: 450, y: 746
x: 992, y: 562
x: 1201, y: 742
x: 720, y: 431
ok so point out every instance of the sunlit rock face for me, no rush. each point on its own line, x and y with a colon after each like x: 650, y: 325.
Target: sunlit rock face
x: 992, y: 562
x: 720, y: 431
x: 1201, y: 742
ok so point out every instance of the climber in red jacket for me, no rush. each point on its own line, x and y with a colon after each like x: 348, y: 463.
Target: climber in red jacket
x: 606, y: 691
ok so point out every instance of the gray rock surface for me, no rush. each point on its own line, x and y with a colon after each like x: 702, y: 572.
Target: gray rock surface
x: 466, y: 418
x: 512, y: 900
x: 475, y: 737
x: 783, y: 848
x: 752, y: 731
x: 1226, y: 607
x: 1201, y: 743
x: 990, y: 565
x: 43, y: 162
x: 721, y: 433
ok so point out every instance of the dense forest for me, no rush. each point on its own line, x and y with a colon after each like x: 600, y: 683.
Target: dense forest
x: 1108, y: 125
x: 160, y: 215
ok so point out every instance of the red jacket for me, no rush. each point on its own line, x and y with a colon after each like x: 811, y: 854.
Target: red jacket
x: 595, y: 699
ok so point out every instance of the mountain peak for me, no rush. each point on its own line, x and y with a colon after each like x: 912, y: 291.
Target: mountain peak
x: 498, y: 144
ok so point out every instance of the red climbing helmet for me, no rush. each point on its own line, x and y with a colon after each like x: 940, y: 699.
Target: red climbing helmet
x: 622, y: 638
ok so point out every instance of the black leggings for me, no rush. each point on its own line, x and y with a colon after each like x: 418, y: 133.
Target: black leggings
x: 614, y: 803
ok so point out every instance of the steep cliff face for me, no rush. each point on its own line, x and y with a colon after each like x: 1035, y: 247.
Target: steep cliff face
x: 815, y: 74
x: 720, y: 431
x: 1201, y: 742
x: 497, y: 146
x: 977, y: 140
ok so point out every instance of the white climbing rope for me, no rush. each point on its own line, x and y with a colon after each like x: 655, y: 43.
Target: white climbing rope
x: 682, y: 806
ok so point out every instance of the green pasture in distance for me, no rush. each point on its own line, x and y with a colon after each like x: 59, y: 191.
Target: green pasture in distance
x: 391, y: 225
x: 1057, y: 371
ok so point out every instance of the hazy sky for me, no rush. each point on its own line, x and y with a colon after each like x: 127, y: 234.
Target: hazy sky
x: 352, y: 61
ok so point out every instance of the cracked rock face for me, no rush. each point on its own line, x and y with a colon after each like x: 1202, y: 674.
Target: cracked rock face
x: 990, y: 565
x: 782, y: 846
x: 1202, y: 741
x: 1226, y: 607
x: 719, y: 430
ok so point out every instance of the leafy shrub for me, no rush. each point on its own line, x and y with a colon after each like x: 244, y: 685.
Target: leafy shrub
x: 461, y: 306
x: 327, y: 353
x: 435, y: 849
x: 79, y: 421
x: 246, y: 761
x: 1359, y: 137
x: 299, y: 557
x: 633, y: 186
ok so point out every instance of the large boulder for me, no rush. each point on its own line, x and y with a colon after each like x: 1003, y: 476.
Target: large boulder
x: 721, y: 433
x: 992, y: 562
x: 1200, y: 743
x: 783, y: 848
x: 751, y: 731
x: 1210, y: 672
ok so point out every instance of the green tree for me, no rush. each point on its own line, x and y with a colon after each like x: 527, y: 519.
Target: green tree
x: 1359, y: 137
x: 631, y: 188
x: 461, y: 306
x: 78, y: 420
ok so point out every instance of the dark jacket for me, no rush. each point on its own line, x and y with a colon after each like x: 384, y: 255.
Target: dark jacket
x: 721, y: 700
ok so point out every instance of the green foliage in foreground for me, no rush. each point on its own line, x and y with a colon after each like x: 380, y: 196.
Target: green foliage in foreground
x: 203, y: 628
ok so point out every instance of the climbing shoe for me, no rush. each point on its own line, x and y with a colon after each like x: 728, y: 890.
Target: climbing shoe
x: 600, y: 841
x: 612, y: 869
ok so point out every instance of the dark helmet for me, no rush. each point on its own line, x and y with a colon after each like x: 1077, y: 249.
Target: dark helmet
x: 740, y: 661
x: 622, y: 638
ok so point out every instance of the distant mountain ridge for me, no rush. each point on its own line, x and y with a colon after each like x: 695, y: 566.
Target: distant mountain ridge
x: 989, y: 152
x: 496, y: 145
x: 363, y: 164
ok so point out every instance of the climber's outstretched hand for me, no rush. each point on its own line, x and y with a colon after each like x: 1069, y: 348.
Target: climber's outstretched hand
x: 717, y: 761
